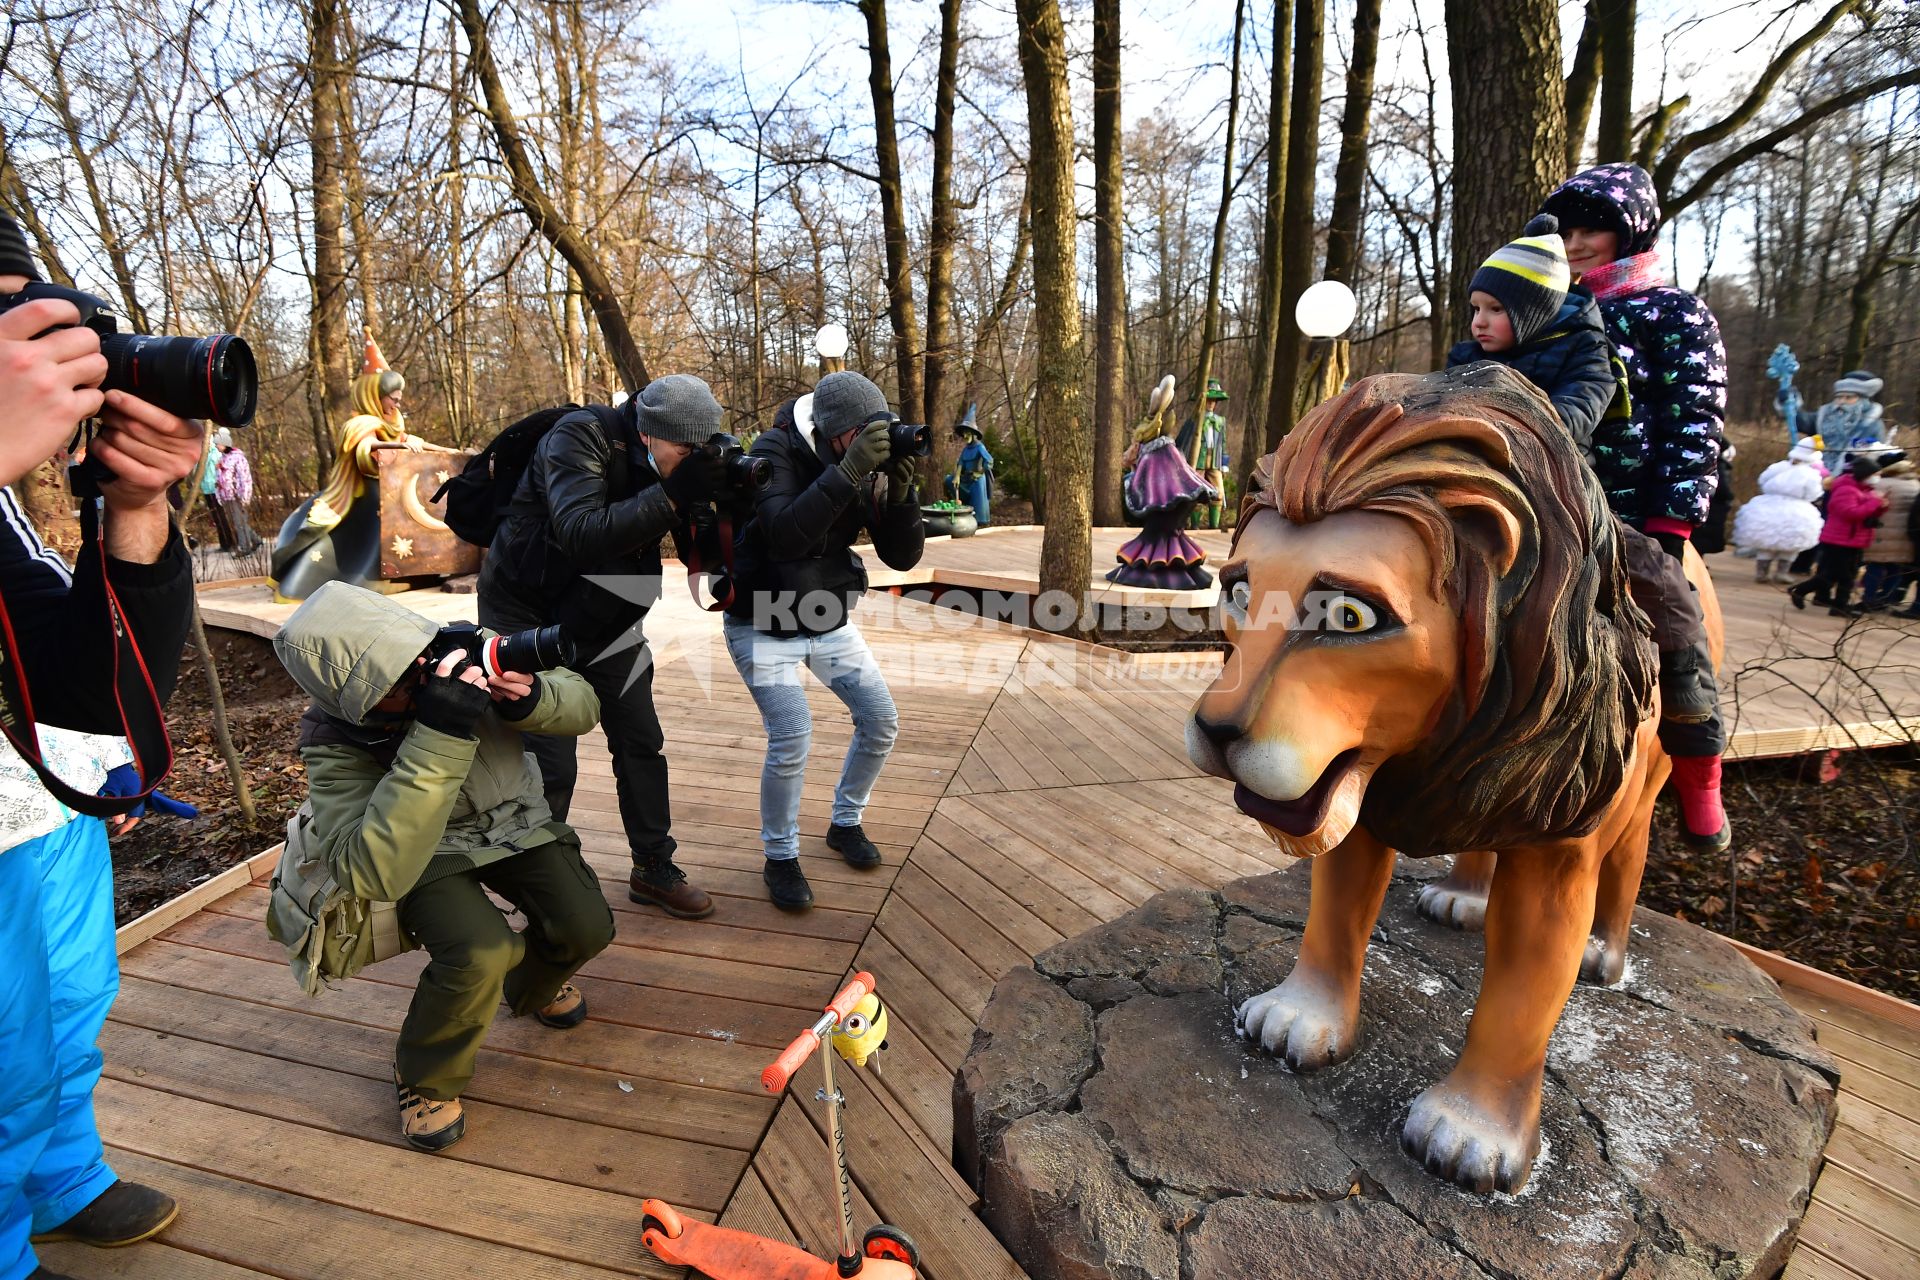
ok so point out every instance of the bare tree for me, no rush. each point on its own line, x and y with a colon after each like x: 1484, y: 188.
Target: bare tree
x: 1350, y: 171
x: 1066, y: 549
x: 1210, y: 318
x: 1297, y: 248
x: 1273, y: 211
x: 893, y: 209
x: 943, y: 228
x: 1617, y: 19
x: 1110, y: 267
x: 331, y: 345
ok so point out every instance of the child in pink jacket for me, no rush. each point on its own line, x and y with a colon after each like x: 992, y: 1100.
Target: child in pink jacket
x: 1853, y: 510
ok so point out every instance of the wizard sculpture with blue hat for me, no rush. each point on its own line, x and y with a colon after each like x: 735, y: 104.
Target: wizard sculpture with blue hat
x: 972, y: 481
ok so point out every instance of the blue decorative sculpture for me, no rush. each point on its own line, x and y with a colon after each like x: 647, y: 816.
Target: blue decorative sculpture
x: 1781, y: 366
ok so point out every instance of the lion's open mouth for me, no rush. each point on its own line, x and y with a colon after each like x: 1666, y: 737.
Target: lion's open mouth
x: 1302, y: 816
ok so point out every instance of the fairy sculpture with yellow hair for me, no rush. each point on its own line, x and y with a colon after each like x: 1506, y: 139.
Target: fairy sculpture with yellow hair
x: 336, y: 532
x: 1161, y: 489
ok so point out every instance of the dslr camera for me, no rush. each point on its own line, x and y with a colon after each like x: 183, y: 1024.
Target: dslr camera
x: 905, y: 439
x: 211, y: 378
x: 740, y: 473
x: 526, y: 652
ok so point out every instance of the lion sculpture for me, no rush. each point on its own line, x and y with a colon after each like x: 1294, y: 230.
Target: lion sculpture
x: 1432, y: 650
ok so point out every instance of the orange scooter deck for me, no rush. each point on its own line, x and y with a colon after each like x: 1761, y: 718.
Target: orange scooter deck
x: 725, y: 1254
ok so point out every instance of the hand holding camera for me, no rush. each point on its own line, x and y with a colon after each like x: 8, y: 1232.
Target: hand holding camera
x: 695, y: 480
x: 51, y: 374
x: 146, y: 448
x: 453, y: 696
x: 867, y: 450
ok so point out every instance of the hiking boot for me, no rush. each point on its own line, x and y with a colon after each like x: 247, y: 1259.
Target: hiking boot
x: 852, y: 845
x: 657, y: 882
x: 787, y: 884
x: 429, y: 1124
x: 125, y: 1213
x: 1688, y: 694
x: 568, y: 1009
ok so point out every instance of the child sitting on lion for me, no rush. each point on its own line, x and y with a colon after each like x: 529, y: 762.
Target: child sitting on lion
x: 1530, y: 316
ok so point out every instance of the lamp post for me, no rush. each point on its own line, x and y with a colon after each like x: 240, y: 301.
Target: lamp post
x: 830, y: 343
x: 1324, y: 312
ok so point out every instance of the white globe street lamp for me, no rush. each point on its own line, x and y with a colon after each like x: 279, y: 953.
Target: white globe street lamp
x: 1326, y: 309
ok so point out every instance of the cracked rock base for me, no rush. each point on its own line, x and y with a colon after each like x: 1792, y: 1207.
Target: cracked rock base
x: 1116, y: 1126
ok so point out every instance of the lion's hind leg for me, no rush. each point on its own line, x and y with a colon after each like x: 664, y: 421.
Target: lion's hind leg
x: 1313, y: 1017
x: 1459, y: 898
x: 1605, y: 961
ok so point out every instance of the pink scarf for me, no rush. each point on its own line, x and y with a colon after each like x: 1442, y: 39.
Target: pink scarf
x: 1624, y: 277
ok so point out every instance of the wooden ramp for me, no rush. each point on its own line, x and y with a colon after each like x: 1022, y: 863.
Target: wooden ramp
x: 1038, y: 788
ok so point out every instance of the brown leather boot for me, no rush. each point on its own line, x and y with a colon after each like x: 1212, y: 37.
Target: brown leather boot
x: 657, y: 882
x: 567, y: 1009
x: 125, y: 1213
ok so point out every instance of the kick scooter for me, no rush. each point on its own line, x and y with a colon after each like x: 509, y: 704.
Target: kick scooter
x: 856, y: 1025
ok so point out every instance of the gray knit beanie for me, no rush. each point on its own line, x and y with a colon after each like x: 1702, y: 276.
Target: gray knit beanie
x: 678, y: 408
x: 843, y: 401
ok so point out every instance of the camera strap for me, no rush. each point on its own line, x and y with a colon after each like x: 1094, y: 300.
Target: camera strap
x: 143, y: 721
x: 698, y: 569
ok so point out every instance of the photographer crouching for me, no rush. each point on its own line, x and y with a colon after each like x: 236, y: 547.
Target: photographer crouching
x: 797, y: 581
x: 602, y: 490
x: 419, y: 793
x: 90, y: 658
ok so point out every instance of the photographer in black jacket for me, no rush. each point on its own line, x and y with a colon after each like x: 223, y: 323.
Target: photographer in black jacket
x: 594, y: 503
x: 58, y: 971
x: 797, y: 579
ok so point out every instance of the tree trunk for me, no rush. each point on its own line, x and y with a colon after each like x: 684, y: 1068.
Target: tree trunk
x: 1297, y: 249
x: 1267, y: 308
x: 1509, y: 122
x: 941, y: 234
x: 1583, y: 85
x: 332, y: 346
x: 546, y: 217
x: 1210, y: 317
x: 1616, y: 80
x: 1110, y: 268
x: 1066, y: 458
x: 353, y: 181
x: 893, y: 210
x: 1350, y: 171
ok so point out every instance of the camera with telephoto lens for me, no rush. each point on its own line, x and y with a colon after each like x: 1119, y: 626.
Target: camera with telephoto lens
x: 740, y: 472
x: 526, y: 652
x: 211, y: 378
x: 909, y: 440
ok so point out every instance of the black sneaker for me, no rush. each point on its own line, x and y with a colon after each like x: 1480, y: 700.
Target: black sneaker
x: 1718, y: 842
x: 852, y: 845
x: 787, y: 884
x: 1688, y: 694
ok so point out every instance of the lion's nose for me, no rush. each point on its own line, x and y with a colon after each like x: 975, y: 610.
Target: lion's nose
x: 1219, y: 732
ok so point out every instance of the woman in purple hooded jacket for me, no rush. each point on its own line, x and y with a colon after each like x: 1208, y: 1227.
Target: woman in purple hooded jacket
x: 1661, y: 470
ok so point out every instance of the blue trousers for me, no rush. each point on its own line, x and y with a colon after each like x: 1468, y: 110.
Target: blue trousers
x: 841, y: 661
x: 59, y: 979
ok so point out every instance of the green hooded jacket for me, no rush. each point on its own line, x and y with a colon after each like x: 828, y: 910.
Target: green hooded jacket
x: 445, y: 804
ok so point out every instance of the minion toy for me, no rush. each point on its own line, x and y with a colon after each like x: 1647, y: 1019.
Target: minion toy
x: 864, y: 1033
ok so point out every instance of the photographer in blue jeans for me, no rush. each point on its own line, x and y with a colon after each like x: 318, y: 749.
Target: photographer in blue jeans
x: 796, y: 581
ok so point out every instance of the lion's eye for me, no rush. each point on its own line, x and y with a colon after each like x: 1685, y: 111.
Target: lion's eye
x: 1351, y: 616
x: 1241, y: 595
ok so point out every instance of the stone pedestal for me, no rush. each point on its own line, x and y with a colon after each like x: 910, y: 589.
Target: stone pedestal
x: 1119, y: 1130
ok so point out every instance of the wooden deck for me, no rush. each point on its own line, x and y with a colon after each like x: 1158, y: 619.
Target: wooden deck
x: 1038, y: 787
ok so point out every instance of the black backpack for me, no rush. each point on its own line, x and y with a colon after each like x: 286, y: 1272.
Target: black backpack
x: 478, y: 497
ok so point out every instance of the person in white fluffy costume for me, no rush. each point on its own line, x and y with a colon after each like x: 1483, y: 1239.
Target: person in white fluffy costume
x: 1782, y: 521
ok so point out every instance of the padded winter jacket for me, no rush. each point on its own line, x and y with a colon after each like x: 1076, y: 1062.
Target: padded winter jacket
x: 1668, y: 340
x: 1850, y: 505
x: 394, y: 805
x: 1574, y: 364
x: 796, y: 570
x: 1892, y: 543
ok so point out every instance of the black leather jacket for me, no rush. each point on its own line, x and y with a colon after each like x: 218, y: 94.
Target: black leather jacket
x: 796, y: 572
x: 581, y: 509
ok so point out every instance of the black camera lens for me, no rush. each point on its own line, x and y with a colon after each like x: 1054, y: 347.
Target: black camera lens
x: 211, y: 378
x: 539, y: 649
x: 909, y: 440
x: 748, y: 472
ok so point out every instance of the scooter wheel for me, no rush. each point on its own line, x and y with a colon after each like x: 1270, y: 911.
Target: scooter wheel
x: 664, y: 1220
x: 884, y: 1241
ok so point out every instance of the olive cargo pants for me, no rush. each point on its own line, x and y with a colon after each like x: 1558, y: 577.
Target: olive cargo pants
x: 476, y: 958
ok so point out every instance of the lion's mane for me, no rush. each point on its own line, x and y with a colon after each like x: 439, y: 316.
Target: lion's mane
x: 1556, y: 662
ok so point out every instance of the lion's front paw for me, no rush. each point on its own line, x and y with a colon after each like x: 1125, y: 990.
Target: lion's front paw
x: 1461, y: 1139
x: 1298, y: 1019
x: 1461, y: 906
x: 1604, y: 963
